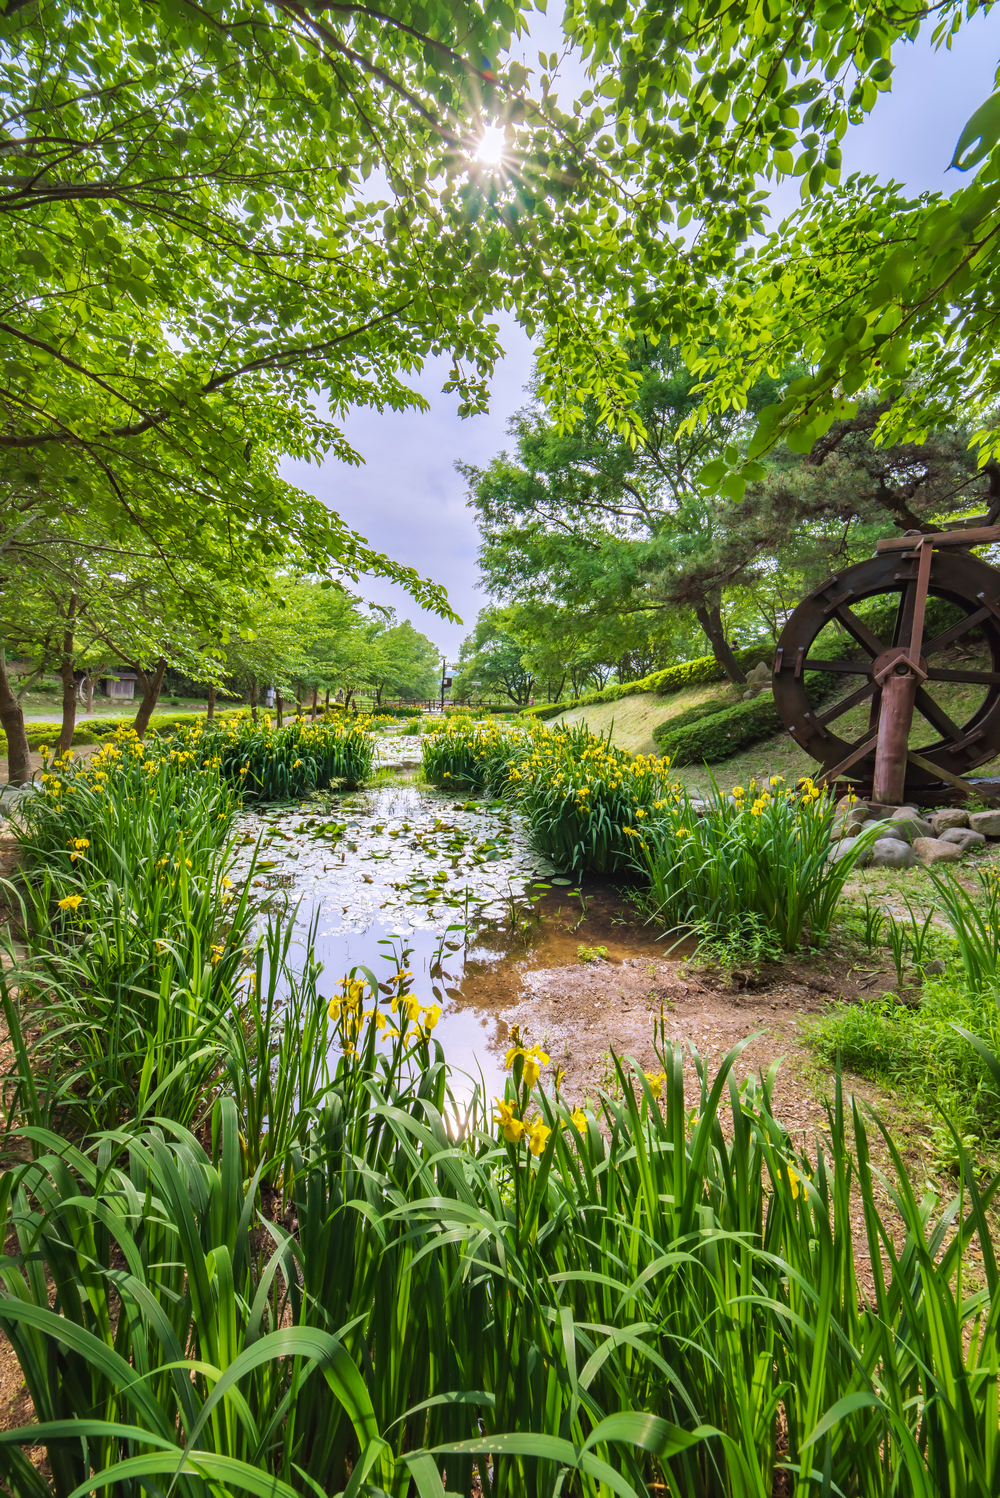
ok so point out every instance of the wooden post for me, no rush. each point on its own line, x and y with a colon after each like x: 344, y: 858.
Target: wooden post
x: 899, y: 691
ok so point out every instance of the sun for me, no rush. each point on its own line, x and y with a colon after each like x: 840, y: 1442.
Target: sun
x: 492, y: 143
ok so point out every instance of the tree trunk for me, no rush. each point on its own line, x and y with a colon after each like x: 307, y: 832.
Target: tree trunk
x: 254, y: 697
x: 68, y: 699
x: 150, y: 695
x: 12, y: 718
x: 710, y: 619
x: 326, y: 705
x: 315, y: 702
x: 210, y: 711
x: 279, y: 703
x: 90, y: 691
x: 68, y: 680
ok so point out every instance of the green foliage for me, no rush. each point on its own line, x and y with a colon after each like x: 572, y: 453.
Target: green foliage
x: 717, y: 736
x: 463, y: 753
x: 760, y: 853
x: 921, y: 1048
x: 664, y: 733
x: 975, y: 919
x: 282, y: 1359
x: 491, y: 662
x: 283, y: 764
x: 584, y: 800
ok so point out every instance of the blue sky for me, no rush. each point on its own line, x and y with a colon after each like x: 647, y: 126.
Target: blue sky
x: 407, y: 498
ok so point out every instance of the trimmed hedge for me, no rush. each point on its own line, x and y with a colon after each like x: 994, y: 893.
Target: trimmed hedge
x: 664, y: 733
x: 673, y: 679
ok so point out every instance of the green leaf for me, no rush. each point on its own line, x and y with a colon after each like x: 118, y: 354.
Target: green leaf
x: 984, y: 128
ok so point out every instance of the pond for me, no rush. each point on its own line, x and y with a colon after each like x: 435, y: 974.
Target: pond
x: 407, y: 876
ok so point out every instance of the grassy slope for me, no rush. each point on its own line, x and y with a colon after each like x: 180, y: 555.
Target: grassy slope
x: 631, y: 721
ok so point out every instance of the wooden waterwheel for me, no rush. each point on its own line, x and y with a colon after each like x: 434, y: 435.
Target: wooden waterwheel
x: 900, y: 675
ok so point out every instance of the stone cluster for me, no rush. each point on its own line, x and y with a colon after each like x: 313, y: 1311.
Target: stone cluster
x: 908, y: 835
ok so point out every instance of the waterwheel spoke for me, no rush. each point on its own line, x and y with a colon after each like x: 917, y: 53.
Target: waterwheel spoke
x: 955, y: 632
x: 936, y: 716
x: 858, y: 752
x: 903, y: 627
x: 840, y: 668
x: 982, y: 678
x: 860, y: 631
x: 846, y: 703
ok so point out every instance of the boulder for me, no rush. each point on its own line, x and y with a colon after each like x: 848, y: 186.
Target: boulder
x: 839, y: 849
x: 986, y: 822
x: 932, y: 850
x: 899, y: 832
x: 915, y: 823
x: 878, y: 811
x: 892, y: 853
x: 935, y: 967
x: 964, y: 838
x: 947, y: 818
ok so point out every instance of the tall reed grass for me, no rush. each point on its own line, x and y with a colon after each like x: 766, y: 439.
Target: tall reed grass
x: 644, y: 1299
x: 585, y: 801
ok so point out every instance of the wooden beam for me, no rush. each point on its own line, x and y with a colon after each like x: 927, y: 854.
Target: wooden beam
x: 950, y: 779
x: 980, y: 537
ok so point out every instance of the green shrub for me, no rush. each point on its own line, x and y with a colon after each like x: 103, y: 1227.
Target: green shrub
x: 664, y: 733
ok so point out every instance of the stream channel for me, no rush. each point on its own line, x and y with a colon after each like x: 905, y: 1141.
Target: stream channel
x: 403, y: 875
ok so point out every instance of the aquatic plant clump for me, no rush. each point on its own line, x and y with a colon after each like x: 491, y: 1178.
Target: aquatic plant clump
x: 586, y: 802
x: 283, y: 764
x: 758, y: 855
x: 463, y: 754
x: 133, y: 934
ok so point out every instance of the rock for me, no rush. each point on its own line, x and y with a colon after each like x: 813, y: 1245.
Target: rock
x: 915, y: 824
x: 850, y: 823
x: 935, y: 967
x: 987, y: 822
x: 949, y: 817
x: 878, y: 812
x: 839, y: 849
x: 932, y: 850
x: 894, y: 832
x: 964, y: 838
x: 892, y: 853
